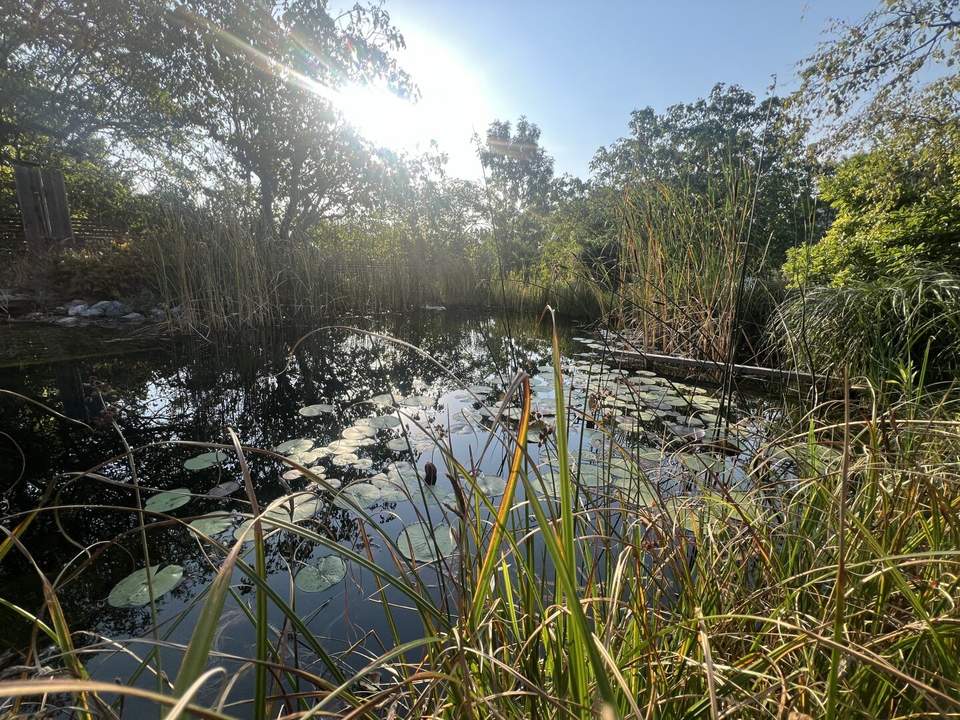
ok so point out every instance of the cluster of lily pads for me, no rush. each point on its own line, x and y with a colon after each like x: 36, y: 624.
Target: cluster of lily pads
x: 630, y: 431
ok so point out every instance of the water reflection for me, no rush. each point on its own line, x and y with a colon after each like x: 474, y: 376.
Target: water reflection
x: 257, y: 385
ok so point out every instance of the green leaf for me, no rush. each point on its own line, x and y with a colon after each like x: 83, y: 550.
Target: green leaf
x: 167, y: 500
x: 328, y: 571
x: 318, y: 409
x: 212, y: 524
x: 205, y: 460
x: 133, y: 590
x: 416, y: 542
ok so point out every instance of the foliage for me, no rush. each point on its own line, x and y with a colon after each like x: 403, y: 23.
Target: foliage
x: 896, y: 206
x: 684, y: 255
x: 871, y: 73
x: 518, y: 179
x: 107, y: 268
x: 829, y: 583
x: 874, y: 326
x: 690, y: 146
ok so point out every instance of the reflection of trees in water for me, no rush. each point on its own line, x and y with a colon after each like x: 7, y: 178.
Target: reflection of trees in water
x: 190, y: 391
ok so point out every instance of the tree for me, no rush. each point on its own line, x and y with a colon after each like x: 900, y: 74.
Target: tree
x: 249, y: 89
x: 695, y: 147
x: 257, y: 81
x: 897, y: 207
x: 519, y: 179
x: 883, y: 59
x: 70, y: 71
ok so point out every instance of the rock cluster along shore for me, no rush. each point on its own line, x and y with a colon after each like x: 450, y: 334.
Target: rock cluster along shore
x: 81, y: 313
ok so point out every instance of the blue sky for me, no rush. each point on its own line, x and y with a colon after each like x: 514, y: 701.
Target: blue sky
x: 578, y: 68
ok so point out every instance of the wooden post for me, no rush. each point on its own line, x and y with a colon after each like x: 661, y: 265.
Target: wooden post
x: 58, y: 211
x: 32, y: 206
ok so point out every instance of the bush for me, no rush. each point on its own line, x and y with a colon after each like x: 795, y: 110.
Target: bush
x: 874, y: 326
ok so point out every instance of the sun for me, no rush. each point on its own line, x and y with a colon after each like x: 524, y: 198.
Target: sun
x: 453, y: 105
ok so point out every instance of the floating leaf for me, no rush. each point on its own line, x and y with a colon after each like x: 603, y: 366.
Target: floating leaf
x: 385, y: 422
x: 223, y: 489
x: 384, y: 399
x: 492, y: 485
x: 318, y: 409
x: 416, y: 542
x: 297, y: 445
x: 205, y: 460
x: 342, y: 447
x: 358, y: 432
x: 329, y: 570
x: 416, y: 401
x: 345, y: 459
x: 133, y: 590
x: 212, y: 524
x: 168, y: 500
x: 397, y: 444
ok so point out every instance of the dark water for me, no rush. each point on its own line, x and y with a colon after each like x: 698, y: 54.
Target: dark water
x: 192, y: 391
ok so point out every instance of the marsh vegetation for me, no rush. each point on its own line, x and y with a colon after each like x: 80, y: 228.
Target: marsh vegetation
x: 401, y: 446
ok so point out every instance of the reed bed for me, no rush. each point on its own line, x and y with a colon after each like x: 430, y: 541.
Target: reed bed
x: 220, y: 275
x: 687, y: 266
x: 828, y: 592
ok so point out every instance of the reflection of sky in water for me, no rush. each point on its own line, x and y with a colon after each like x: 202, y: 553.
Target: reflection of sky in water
x: 192, y: 393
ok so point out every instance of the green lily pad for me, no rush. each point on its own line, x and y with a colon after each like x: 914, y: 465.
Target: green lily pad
x: 329, y: 570
x: 383, y: 400
x: 385, y: 422
x: 343, y: 447
x: 133, y: 590
x: 212, y: 524
x: 318, y: 409
x: 417, y: 543
x: 167, y: 500
x: 492, y: 485
x: 297, y: 445
x: 345, y: 459
x: 416, y: 401
x: 358, y: 432
x: 397, y: 444
x: 205, y: 460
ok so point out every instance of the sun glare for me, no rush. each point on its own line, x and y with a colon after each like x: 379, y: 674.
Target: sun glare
x: 451, y: 108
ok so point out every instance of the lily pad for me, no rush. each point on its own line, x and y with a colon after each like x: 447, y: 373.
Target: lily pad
x: 329, y: 570
x: 416, y: 401
x: 385, y: 422
x: 416, y: 542
x: 492, y: 485
x: 205, y: 460
x: 297, y: 445
x: 167, y: 500
x: 212, y: 524
x: 383, y: 400
x: 342, y: 447
x: 318, y: 409
x: 223, y: 489
x: 345, y: 459
x: 133, y: 590
x: 397, y: 444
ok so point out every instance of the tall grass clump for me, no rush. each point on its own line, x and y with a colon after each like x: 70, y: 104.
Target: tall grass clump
x: 818, y: 578
x: 684, y: 261
x: 222, y: 273
x: 873, y: 326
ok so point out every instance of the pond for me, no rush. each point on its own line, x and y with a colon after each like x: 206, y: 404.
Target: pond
x: 366, y: 415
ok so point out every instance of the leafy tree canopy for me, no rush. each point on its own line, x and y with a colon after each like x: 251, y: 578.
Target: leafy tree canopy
x: 696, y: 146
x: 897, y: 206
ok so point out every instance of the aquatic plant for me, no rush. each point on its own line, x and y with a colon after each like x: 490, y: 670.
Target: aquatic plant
x: 818, y: 579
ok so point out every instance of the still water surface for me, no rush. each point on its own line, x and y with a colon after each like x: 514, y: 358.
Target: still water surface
x: 364, y: 413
